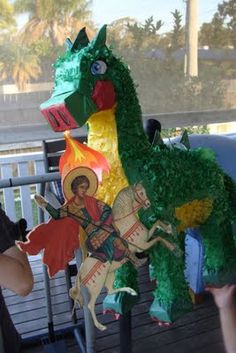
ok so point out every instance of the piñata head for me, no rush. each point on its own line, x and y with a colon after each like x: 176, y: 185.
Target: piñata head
x: 74, y: 100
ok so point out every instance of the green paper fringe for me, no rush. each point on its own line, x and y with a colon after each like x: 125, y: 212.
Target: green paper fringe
x: 171, y: 177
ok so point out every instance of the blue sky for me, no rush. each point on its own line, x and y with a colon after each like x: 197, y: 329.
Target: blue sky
x: 106, y: 11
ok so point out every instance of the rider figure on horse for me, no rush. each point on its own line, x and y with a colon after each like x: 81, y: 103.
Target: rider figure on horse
x: 94, y: 216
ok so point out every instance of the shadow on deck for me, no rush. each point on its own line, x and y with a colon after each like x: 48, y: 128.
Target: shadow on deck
x: 198, y: 331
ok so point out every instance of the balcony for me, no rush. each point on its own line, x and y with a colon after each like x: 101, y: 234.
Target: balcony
x: 22, y: 175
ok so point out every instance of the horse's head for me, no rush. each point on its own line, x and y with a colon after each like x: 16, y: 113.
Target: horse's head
x: 140, y: 196
x: 87, y: 81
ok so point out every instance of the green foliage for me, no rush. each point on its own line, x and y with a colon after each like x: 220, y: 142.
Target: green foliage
x: 177, y: 35
x: 144, y: 34
x: 43, y: 48
x: 214, y: 34
x: 220, y: 32
x: 24, y: 53
x: 227, y: 11
x: 164, y: 88
x: 19, y: 63
x: 6, y: 15
x: 50, y: 9
x: 201, y: 129
x: 52, y: 20
x: 162, y: 85
x: 143, y: 31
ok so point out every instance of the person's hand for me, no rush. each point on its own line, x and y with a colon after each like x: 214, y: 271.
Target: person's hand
x: 168, y: 229
x: 224, y: 296
x: 40, y: 201
x: 108, y: 228
x: 98, y: 223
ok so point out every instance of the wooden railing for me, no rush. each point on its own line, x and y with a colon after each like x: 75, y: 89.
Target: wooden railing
x: 17, y: 200
x: 41, y: 131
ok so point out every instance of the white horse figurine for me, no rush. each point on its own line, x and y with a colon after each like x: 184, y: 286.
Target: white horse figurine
x: 94, y: 274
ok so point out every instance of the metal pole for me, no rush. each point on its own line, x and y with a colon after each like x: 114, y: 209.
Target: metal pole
x: 1, y: 340
x: 88, y: 321
x: 51, y: 333
x: 126, y: 333
x: 32, y: 179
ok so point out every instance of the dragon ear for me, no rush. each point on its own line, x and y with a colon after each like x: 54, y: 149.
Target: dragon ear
x: 185, y: 139
x: 80, y: 42
x: 100, y: 40
x: 68, y: 43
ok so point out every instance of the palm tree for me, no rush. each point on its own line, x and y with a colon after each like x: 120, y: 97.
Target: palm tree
x: 19, y: 63
x: 6, y: 15
x: 53, y: 19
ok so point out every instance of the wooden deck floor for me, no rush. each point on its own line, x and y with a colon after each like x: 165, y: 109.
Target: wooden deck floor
x: 198, y: 331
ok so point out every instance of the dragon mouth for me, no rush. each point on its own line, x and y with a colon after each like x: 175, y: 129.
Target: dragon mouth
x: 71, y: 110
x: 59, y: 118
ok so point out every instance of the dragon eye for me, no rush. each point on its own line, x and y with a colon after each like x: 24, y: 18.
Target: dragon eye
x: 98, y: 67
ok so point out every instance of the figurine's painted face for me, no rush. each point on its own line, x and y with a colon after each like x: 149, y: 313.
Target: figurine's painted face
x: 82, y: 189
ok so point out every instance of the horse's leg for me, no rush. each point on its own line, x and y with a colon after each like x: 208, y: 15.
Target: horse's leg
x: 75, y: 293
x: 161, y: 225
x: 94, y: 293
x: 145, y: 245
x: 92, y: 275
x: 94, y: 286
x: 110, y: 282
x: 168, y: 244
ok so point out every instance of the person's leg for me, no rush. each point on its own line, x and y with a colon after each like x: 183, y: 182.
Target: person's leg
x: 121, y: 251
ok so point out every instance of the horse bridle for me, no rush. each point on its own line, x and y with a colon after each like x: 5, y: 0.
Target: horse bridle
x: 140, y: 202
x: 137, y: 198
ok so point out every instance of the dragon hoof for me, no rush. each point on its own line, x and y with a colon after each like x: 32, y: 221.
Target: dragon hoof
x: 162, y: 323
x: 114, y: 313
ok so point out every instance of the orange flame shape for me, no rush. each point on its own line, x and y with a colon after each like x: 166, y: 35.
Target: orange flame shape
x: 80, y: 155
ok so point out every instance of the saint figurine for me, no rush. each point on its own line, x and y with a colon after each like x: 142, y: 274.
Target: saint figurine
x: 60, y: 236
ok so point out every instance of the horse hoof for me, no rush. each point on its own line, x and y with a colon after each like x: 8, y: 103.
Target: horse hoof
x: 101, y: 327
x: 133, y: 292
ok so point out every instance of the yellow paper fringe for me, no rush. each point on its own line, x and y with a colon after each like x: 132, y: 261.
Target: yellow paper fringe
x: 194, y: 213
x: 103, y: 138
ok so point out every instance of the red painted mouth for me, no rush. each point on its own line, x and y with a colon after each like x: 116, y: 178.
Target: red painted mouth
x: 104, y: 95
x: 59, y: 115
x: 59, y: 118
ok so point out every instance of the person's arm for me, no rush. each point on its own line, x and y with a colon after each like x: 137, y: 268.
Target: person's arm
x: 41, y: 202
x: 15, y: 271
x: 224, y: 299
x: 106, y: 211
